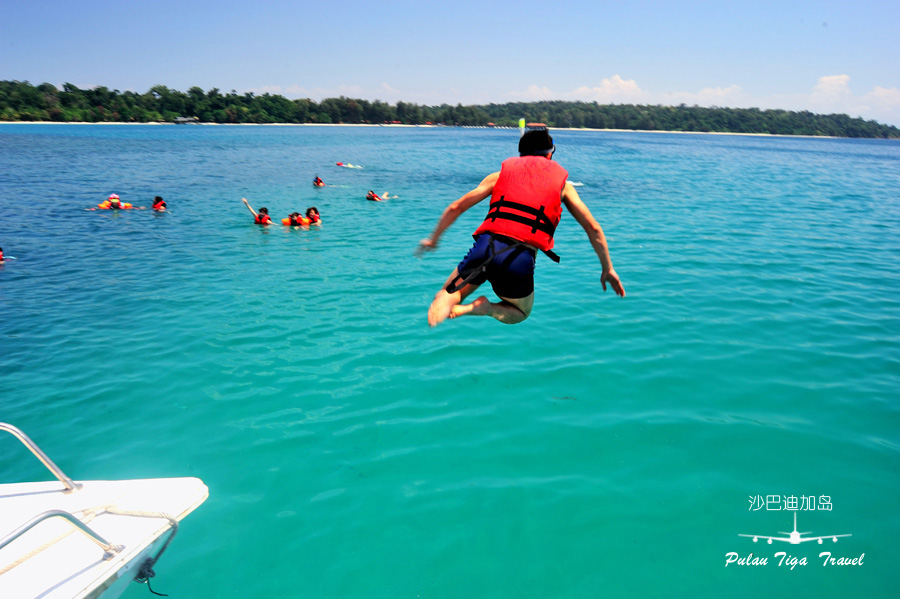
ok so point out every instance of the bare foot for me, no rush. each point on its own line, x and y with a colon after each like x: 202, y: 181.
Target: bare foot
x: 479, y: 307
x: 442, y: 307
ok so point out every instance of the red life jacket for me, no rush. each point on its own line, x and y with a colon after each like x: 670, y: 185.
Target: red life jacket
x: 262, y: 219
x: 526, y: 203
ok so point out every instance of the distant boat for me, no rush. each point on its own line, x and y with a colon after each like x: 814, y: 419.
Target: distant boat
x: 89, y: 539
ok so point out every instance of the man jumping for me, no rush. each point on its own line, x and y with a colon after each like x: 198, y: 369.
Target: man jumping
x: 527, y: 195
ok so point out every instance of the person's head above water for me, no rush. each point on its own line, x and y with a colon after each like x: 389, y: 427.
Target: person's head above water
x: 536, y: 143
x: 312, y: 211
x: 263, y: 210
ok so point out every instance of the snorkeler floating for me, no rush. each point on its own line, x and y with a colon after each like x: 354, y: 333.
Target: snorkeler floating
x: 374, y: 197
x: 527, y: 195
x: 159, y: 204
x: 317, y: 182
x: 295, y: 219
x: 113, y: 202
x: 260, y: 218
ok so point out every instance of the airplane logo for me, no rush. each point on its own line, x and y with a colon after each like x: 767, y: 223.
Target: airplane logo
x: 794, y: 537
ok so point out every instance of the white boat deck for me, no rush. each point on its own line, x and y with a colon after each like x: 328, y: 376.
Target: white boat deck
x: 56, y: 560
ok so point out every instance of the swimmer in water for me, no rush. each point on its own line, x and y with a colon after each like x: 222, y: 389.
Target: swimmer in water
x: 317, y: 182
x: 312, y: 213
x: 113, y: 202
x: 294, y: 219
x: 372, y: 196
x: 159, y: 204
x: 261, y: 218
x: 525, y: 209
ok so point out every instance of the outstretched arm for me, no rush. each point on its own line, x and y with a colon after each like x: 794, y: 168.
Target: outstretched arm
x: 247, y: 204
x: 452, y: 212
x: 595, y: 234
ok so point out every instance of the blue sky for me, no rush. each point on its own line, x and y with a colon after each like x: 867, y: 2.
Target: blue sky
x: 823, y: 56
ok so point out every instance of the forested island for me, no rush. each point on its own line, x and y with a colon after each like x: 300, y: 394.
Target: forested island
x: 21, y: 101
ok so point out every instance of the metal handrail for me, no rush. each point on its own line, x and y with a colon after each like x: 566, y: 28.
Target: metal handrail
x: 59, y: 474
x: 110, y: 549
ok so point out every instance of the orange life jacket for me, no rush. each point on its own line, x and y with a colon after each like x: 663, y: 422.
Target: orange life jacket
x: 526, y: 203
x: 108, y: 205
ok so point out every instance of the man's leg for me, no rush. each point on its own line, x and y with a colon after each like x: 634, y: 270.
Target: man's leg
x: 508, y: 311
x: 444, y: 302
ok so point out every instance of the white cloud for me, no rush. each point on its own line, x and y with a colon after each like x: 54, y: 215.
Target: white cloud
x: 534, y: 93
x: 614, y: 90
x: 832, y: 86
x: 711, y: 96
x: 883, y: 98
x: 832, y: 94
x: 885, y: 105
x: 296, y: 91
x: 388, y: 94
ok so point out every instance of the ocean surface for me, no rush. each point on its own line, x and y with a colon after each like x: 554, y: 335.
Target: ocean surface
x: 605, y: 447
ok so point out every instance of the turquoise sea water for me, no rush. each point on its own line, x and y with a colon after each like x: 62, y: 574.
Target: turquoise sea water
x: 605, y: 447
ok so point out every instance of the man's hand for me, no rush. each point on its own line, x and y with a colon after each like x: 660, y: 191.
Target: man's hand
x: 426, y: 245
x: 612, y: 278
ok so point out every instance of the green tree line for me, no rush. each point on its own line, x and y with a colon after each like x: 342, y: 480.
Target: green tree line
x: 21, y: 101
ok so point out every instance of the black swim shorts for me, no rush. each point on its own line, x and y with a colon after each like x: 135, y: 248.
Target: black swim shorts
x: 511, y: 272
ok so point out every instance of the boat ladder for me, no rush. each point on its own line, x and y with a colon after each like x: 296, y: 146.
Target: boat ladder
x: 71, y: 486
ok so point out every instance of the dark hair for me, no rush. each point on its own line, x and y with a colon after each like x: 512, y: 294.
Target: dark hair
x: 535, y: 143
x: 312, y: 208
x: 263, y: 210
x: 158, y: 199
